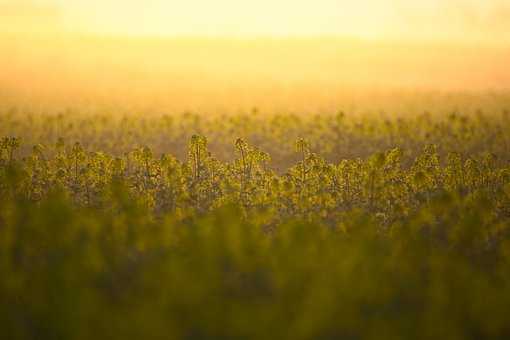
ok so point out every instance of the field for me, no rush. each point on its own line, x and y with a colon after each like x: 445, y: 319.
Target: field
x: 300, y: 170
x: 385, y: 218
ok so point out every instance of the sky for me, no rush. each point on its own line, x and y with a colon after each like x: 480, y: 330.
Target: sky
x: 373, y: 44
x: 396, y: 19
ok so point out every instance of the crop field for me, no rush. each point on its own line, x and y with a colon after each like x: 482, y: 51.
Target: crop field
x: 245, y: 170
x: 257, y: 225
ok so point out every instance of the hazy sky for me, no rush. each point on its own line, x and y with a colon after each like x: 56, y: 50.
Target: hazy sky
x: 443, y: 19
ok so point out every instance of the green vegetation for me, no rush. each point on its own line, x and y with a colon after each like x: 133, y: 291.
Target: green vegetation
x: 279, y: 226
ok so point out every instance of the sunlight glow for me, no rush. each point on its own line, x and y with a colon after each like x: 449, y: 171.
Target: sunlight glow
x: 465, y: 20
x: 241, y: 53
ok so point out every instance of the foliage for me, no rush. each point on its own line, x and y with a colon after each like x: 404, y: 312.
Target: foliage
x: 120, y: 243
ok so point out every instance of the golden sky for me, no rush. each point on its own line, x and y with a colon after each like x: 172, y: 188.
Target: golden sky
x: 466, y: 20
x: 334, y: 46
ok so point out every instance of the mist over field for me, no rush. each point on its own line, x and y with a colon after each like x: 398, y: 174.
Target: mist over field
x: 56, y: 52
x: 187, y: 73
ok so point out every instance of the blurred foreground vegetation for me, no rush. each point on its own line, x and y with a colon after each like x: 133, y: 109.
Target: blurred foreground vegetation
x: 365, y: 228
